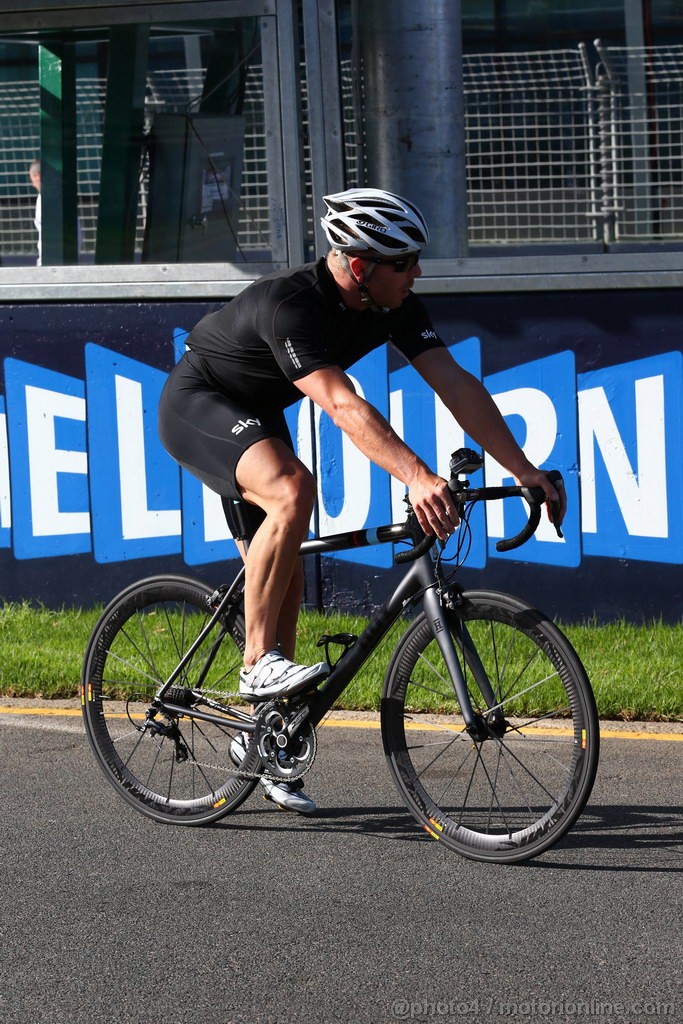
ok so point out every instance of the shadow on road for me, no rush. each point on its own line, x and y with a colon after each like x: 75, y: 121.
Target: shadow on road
x: 387, y: 823
x: 618, y: 829
x: 637, y: 831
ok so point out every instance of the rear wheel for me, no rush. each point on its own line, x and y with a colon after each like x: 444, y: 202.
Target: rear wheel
x: 170, y: 764
x: 511, y: 793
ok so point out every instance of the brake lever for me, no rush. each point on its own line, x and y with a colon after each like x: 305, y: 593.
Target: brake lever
x: 536, y: 498
x: 557, y: 481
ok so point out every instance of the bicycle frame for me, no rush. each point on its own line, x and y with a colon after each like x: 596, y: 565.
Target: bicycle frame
x: 419, y: 579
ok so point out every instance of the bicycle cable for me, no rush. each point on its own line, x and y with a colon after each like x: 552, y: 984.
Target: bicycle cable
x: 463, y: 545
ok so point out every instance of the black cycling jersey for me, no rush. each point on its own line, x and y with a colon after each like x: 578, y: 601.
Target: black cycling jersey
x: 290, y: 323
x: 229, y: 391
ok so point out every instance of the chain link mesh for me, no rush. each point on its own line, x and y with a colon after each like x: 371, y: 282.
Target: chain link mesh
x: 563, y: 146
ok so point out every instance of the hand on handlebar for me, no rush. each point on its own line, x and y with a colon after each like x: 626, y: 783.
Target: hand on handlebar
x: 433, y: 505
x: 434, y: 510
x: 552, y: 485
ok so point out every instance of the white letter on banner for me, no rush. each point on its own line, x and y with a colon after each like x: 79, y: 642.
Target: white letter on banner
x: 449, y: 436
x: 46, y: 461
x: 356, y: 481
x: 398, y: 489
x: 304, y: 444
x: 304, y: 440
x: 5, y: 503
x: 215, y: 525
x: 137, y: 519
x: 641, y: 496
x: 537, y: 410
x: 355, y: 467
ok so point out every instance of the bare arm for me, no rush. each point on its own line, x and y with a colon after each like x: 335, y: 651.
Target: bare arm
x: 332, y: 390
x: 476, y: 412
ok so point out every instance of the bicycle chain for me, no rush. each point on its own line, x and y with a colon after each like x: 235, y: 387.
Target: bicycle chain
x: 243, y: 774
x: 217, y: 693
x: 236, y: 770
x: 227, y: 770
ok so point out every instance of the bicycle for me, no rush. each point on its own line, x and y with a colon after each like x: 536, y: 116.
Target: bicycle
x: 488, y: 720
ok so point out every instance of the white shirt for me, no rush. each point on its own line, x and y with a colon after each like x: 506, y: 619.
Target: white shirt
x: 37, y: 222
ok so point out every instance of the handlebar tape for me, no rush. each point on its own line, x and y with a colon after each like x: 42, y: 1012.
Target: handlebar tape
x: 412, y: 553
x: 535, y: 496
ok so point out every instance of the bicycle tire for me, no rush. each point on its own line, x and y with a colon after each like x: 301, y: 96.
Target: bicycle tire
x: 178, y: 770
x: 513, y: 795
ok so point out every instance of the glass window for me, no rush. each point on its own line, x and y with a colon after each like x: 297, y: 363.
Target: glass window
x: 169, y: 139
x: 663, y: 22
x: 573, y: 122
x: 533, y: 24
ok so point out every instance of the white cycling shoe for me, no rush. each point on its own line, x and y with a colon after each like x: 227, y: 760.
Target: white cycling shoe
x: 273, y: 675
x: 284, y: 794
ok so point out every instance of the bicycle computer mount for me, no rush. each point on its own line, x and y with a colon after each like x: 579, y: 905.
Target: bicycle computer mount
x: 465, y: 460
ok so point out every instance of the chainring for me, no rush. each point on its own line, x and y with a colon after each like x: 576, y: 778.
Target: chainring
x: 285, y: 740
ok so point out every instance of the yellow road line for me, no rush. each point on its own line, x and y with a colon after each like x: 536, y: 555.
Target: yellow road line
x: 610, y: 734
x: 617, y: 734
x: 47, y: 712
x: 353, y: 723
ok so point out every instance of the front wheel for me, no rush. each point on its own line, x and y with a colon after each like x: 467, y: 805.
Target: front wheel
x: 172, y: 764
x: 511, y: 795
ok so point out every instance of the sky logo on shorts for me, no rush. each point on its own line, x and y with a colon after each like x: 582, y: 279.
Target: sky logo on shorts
x: 243, y: 424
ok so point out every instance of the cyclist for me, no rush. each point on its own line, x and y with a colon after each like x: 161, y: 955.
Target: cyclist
x: 293, y: 334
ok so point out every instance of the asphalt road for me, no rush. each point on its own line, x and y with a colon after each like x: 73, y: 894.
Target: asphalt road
x: 352, y: 916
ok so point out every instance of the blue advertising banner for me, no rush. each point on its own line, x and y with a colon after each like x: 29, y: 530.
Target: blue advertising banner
x: 89, y: 499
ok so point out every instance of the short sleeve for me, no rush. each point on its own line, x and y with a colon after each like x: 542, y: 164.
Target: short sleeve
x: 412, y: 331
x: 300, y: 339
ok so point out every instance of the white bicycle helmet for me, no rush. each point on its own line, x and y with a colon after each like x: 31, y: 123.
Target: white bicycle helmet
x: 362, y: 220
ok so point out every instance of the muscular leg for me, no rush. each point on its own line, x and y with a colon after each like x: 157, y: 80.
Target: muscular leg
x: 289, y: 612
x: 270, y: 475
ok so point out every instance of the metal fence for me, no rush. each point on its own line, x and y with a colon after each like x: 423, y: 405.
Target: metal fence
x: 528, y: 135
x: 580, y: 146
x: 637, y: 96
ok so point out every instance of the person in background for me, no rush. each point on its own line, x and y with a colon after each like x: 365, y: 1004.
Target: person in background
x: 34, y: 175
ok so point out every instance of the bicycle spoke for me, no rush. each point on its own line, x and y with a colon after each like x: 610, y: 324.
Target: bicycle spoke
x: 173, y: 766
x: 512, y: 791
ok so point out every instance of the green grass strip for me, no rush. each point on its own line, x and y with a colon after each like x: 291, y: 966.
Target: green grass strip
x: 636, y: 670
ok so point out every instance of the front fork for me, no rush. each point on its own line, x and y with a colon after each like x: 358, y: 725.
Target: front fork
x: 443, y: 623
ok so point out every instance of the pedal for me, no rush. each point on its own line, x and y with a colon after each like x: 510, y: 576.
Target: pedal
x: 269, y: 800
x: 345, y: 640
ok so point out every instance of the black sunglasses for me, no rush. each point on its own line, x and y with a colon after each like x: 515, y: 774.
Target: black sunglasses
x: 400, y: 265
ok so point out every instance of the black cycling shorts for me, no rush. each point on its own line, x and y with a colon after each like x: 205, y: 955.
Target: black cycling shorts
x: 208, y: 432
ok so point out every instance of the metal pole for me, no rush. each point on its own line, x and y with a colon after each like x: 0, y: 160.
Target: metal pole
x: 122, y: 144
x: 324, y: 108
x: 414, y: 111
x: 283, y: 149
x: 639, y: 117
x: 57, y: 69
